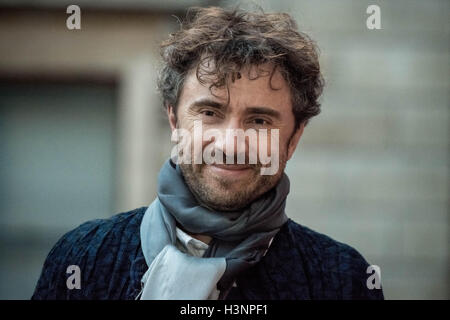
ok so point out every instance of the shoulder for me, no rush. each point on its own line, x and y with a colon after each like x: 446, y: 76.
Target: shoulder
x: 100, y: 248
x: 327, y: 248
x: 336, y: 265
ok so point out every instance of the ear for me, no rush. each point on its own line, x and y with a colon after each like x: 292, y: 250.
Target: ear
x: 293, y: 142
x: 172, y: 117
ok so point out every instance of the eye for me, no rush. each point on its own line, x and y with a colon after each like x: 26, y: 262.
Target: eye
x: 260, y: 121
x: 208, y: 113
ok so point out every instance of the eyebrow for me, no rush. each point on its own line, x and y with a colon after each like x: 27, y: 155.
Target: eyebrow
x: 205, y: 102
x: 264, y: 110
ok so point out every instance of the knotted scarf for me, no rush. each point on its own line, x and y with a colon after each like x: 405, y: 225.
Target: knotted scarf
x: 239, y: 239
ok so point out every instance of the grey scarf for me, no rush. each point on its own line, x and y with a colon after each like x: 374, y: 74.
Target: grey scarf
x: 239, y: 239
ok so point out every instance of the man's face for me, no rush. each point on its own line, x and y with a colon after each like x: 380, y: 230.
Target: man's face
x: 252, y: 104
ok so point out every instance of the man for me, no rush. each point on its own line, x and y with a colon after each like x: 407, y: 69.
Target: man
x: 218, y: 229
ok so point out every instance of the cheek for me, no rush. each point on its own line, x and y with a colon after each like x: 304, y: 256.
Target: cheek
x: 201, y: 137
x: 269, y: 143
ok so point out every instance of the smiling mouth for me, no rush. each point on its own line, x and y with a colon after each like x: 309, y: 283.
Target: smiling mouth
x: 230, y: 169
x: 232, y: 166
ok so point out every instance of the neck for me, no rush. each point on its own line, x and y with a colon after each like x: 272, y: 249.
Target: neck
x: 201, y: 237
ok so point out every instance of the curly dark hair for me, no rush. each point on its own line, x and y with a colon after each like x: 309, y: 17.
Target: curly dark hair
x: 233, y: 39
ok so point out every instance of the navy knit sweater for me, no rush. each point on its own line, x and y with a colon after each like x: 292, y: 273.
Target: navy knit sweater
x: 300, y: 264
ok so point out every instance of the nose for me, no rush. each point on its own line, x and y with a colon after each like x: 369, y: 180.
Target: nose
x: 232, y: 143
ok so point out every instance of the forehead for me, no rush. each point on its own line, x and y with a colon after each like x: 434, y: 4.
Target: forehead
x: 255, y: 85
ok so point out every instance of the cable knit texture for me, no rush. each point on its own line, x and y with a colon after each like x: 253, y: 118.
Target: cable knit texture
x: 300, y: 264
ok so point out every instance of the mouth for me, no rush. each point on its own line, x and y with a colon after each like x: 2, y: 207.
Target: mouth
x: 230, y: 170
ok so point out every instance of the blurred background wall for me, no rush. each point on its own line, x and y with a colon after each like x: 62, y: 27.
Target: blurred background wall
x: 83, y: 134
